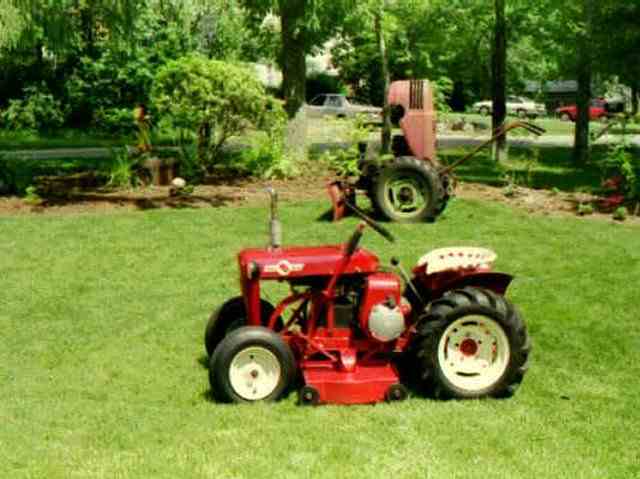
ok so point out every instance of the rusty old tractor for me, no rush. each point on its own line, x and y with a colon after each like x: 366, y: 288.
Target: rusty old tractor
x: 413, y: 186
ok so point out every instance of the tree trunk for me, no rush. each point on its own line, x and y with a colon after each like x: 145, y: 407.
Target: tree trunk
x: 386, y: 110
x: 294, y: 68
x: 581, y: 150
x: 499, y: 80
x: 87, y: 30
x: 635, y: 98
x: 204, y: 143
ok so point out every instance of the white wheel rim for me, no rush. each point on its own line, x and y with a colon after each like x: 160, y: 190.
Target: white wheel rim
x: 254, y: 373
x: 473, y: 353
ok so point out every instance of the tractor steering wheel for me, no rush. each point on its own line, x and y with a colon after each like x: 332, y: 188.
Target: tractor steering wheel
x: 382, y: 231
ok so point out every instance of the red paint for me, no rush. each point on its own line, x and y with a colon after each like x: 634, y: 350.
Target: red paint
x: 368, y: 383
x: 419, y: 121
x: 468, y: 347
x: 335, y: 354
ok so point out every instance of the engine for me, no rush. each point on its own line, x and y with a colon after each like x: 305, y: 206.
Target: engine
x: 386, y: 323
x: 381, y: 313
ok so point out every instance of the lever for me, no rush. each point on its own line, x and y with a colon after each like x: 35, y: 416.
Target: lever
x: 395, y: 262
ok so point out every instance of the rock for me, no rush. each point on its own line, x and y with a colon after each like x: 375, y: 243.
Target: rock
x: 178, y: 182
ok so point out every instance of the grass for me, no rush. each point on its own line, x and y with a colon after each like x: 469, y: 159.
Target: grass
x: 103, y: 317
x: 544, y: 168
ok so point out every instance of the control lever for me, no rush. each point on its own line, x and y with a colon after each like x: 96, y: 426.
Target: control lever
x: 395, y: 262
x: 275, y: 228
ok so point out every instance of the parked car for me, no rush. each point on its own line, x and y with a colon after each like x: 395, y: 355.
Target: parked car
x: 516, y: 105
x: 599, y: 110
x: 340, y: 106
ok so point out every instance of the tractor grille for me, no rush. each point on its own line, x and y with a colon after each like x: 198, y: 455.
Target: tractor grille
x: 416, y: 94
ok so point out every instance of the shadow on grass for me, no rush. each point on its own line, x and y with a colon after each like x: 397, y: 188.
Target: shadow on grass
x: 204, y: 361
x: 174, y: 202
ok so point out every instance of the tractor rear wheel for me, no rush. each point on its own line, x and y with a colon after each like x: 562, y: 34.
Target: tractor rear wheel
x: 409, y: 190
x: 472, y: 343
x: 251, y: 364
x: 229, y: 316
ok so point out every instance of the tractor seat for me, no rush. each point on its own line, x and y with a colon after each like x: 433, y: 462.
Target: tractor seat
x: 460, y: 257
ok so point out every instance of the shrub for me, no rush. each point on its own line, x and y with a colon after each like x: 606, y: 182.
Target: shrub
x: 620, y: 173
x: 115, y: 121
x: 214, y: 98
x: 620, y: 214
x: 39, y: 110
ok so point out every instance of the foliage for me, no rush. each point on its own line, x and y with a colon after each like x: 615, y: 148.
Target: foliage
x: 190, y: 167
x: 620, y: 169
x: 32, y: 197
x: 585, y: 209
x: 115, y: 121
x: 620, y: 214
x: 267, y: 156
x: 214, y: 98
x: 38, y: 111
x: 346, y: 161
x: 122, y: 169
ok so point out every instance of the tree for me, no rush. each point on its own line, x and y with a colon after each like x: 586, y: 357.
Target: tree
x: 618, y: 35
x: 305, y: 25
x: 386, y: 111
x: 581, y: 150
x: 499, y: 84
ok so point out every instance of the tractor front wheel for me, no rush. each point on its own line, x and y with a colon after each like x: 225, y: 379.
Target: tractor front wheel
x: 251, y: 364
x: 472, y: 343
x: 409, y: 190
x: 232, y: 315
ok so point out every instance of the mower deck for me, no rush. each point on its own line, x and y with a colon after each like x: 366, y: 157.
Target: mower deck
x: 367, y: 383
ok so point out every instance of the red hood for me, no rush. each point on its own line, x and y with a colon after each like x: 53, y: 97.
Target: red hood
x: 296, y: 262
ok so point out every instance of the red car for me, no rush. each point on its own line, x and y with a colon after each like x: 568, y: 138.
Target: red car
x: 597, y: 111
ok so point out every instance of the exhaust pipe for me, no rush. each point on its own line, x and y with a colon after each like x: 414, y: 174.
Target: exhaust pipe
x: 275, y: 228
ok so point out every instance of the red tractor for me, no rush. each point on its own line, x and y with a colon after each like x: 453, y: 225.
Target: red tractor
x: 414, y: 186
x: 352, y: 332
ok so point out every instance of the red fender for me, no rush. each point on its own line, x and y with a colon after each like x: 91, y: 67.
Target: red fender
x: 496, y: 282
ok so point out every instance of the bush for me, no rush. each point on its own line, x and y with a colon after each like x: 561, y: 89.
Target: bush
x: 267, y: 157
x: 115, y: 121
x: 214, y: 98
x: 39, y: 110
x: 620, y: 171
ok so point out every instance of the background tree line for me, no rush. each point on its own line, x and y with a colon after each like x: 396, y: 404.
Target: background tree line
x: 93, y: 60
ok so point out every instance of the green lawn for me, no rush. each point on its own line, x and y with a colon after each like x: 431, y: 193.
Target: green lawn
x: 102, y: 320
x: 545, y: 168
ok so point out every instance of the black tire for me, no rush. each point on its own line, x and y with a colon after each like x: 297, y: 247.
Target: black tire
x: 566, y: 117
x: 484, y: 111
x: 396, y: 392
x: 426, y: 187
x: 521, y: 114
x: 308, y: 396
x: 438, y: 326
x: 229, y: 316
x: 243, y: 342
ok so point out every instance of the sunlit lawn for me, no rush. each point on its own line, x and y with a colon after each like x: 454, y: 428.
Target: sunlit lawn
x: 102, y: 320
